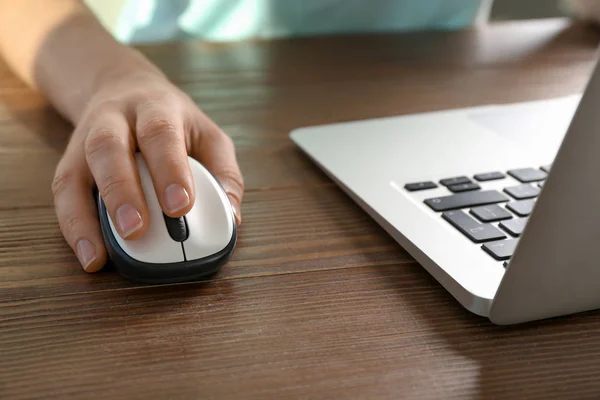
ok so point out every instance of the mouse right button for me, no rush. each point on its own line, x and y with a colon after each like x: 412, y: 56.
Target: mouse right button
x: 210, y: 222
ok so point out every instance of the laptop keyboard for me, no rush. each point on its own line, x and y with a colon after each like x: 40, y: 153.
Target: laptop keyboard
x: 493, y: 218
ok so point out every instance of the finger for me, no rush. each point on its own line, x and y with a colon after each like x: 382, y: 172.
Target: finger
x: 159, y: 132
x: 215, y: 150
x: 76, y: 211
x: 109, y: 152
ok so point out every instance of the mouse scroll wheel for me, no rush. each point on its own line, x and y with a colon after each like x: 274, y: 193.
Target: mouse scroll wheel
x: 177, y: 228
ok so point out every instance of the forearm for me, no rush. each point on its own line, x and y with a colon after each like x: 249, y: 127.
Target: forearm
x: 59, y: 47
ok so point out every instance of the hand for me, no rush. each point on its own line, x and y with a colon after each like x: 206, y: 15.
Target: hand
x: 144, y: 111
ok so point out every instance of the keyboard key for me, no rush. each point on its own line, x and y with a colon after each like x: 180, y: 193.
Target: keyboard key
x: 463, y: 187
x: 502, y: 249
x: 491, y: 213
x: 546, y: 168
x: 413, y: 187
x: 522, y: 208
x: 489, y: 176
x: 541, y: 184
x: 527, y: 175
x: 522, y: 192
x: 474, y: 230
x: 466, y: 199
x: 514, y: 226
x: 455, y: 181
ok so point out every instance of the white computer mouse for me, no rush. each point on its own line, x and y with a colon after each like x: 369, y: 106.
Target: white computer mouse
x: 175, y: 250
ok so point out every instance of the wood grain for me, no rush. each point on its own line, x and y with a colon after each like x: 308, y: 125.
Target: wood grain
x: 317, y: 302
x: 370, y: 332
x: 285, y: 231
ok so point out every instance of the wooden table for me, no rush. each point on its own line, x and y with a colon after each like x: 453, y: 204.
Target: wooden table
x: 318, y: 302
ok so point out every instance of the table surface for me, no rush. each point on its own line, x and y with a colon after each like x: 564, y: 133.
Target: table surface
x: 317, y: 302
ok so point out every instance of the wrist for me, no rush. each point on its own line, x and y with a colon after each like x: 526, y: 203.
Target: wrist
x: 130, y: 63
x: 80, y: 59
x: 112, y: 76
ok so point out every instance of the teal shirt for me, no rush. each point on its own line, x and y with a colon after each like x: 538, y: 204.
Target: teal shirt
x: 233, y: 20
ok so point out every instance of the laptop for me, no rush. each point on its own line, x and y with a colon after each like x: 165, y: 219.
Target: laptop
x: 499, y: 203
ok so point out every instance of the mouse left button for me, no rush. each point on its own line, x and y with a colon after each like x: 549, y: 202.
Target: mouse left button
x: 177, y: 228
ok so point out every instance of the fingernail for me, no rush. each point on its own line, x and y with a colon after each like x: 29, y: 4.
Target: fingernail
x: 176, y: 198
x: 237, y: 215
x: 86, y: 252
x: 129, y: 220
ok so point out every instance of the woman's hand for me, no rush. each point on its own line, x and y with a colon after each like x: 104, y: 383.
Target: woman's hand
x: 139, y: 111
x: 119, y: 102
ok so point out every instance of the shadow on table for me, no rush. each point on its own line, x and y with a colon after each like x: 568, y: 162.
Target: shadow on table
x: 36, y: 118
x: 553, y: 358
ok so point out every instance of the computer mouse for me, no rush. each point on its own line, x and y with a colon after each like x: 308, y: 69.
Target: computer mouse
x: 175, y: 250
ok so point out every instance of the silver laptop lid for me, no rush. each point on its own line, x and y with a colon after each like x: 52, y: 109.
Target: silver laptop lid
x: 555, y: 269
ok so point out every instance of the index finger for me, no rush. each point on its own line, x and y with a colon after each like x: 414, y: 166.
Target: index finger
x: 109, y: 152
